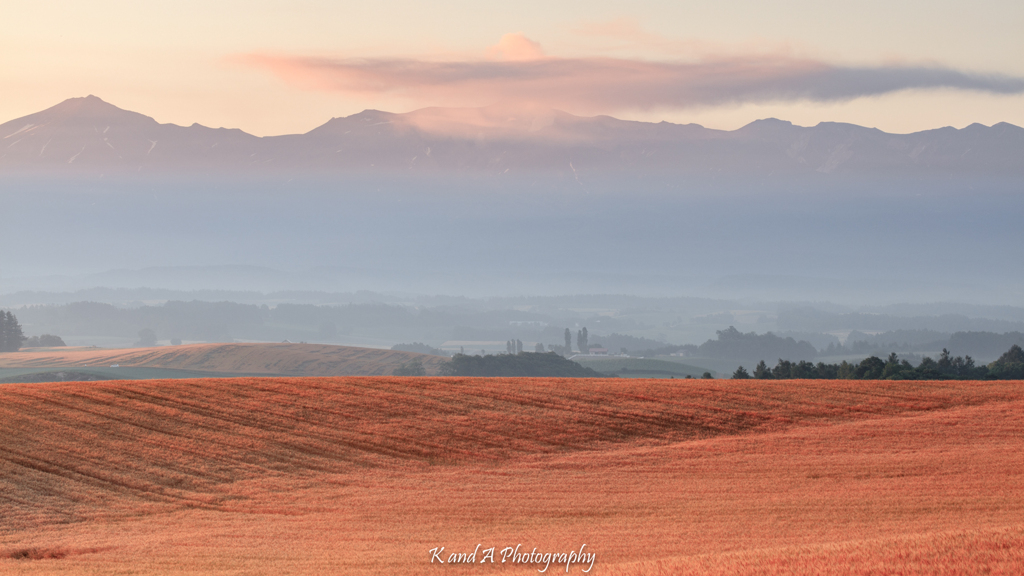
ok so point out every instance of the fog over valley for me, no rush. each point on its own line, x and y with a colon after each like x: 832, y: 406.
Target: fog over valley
x: 868, y: 242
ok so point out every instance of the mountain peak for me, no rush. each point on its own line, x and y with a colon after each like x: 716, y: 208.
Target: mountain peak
x: 86, y: 110
x: 767, y: 126
x: 90, y: 102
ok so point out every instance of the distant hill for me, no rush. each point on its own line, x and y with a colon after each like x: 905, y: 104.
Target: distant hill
x: 88, y: 135
x: 250, y: 359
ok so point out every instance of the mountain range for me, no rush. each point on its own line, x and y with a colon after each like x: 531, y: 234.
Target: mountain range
x: 88, y: 135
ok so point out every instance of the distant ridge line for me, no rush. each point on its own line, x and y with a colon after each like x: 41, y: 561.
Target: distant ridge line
x: 90, y: 136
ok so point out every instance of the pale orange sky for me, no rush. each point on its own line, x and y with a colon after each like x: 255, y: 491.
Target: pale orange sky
x: 189, y: 61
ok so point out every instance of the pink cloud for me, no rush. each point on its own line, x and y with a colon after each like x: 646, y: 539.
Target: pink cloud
x: 515, y: 48
x: 519, y: 73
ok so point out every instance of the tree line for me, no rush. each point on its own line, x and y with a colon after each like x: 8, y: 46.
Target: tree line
x: 732, y: 344
x: 420, y: 348
x: 526, y: 364
x: 1009, y: 366
x: 12, y: 337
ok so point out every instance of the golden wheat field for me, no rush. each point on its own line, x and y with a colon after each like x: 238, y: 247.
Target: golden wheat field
x: 368, y: 475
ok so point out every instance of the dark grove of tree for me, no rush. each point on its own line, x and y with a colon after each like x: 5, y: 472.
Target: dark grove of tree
x: 412, y: 368
x: 526, y: 364
x: 1009, y: 366
x: 44, y: 341
x: 420, y: 348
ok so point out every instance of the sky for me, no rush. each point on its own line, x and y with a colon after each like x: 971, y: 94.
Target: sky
x: 276, y: 67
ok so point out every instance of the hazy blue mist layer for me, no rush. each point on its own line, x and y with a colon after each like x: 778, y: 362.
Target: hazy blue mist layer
x: 857, y: 242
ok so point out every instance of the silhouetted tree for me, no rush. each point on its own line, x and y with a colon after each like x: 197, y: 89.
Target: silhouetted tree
x: 568, y: 342
x: 582, y: 341
x: 740, y: 374
x: 762, y: 372
x: 803, y: 370
x: 413, y: 368
x: 1009, y: 366
x: 870, y: 368
x: 782, y: 370
x: 11, y: 336
x: 846, y: 371
x: 928, y: 369
x: 827, y: 371
x: 945, y: 362
x: 147, y: 338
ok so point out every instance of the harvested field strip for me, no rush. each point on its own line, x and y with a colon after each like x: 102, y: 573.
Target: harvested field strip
x: 270, y: 359
x: 95, y: 374
x: 935, y: 491
x: 71, y: 447
x: 992, y: 551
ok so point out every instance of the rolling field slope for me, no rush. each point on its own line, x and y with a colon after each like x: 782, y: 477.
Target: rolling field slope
x: 246, y: 359
x: 366, y: 475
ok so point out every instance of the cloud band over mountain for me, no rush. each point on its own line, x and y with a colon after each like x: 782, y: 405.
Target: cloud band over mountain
x: 598, y: 85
